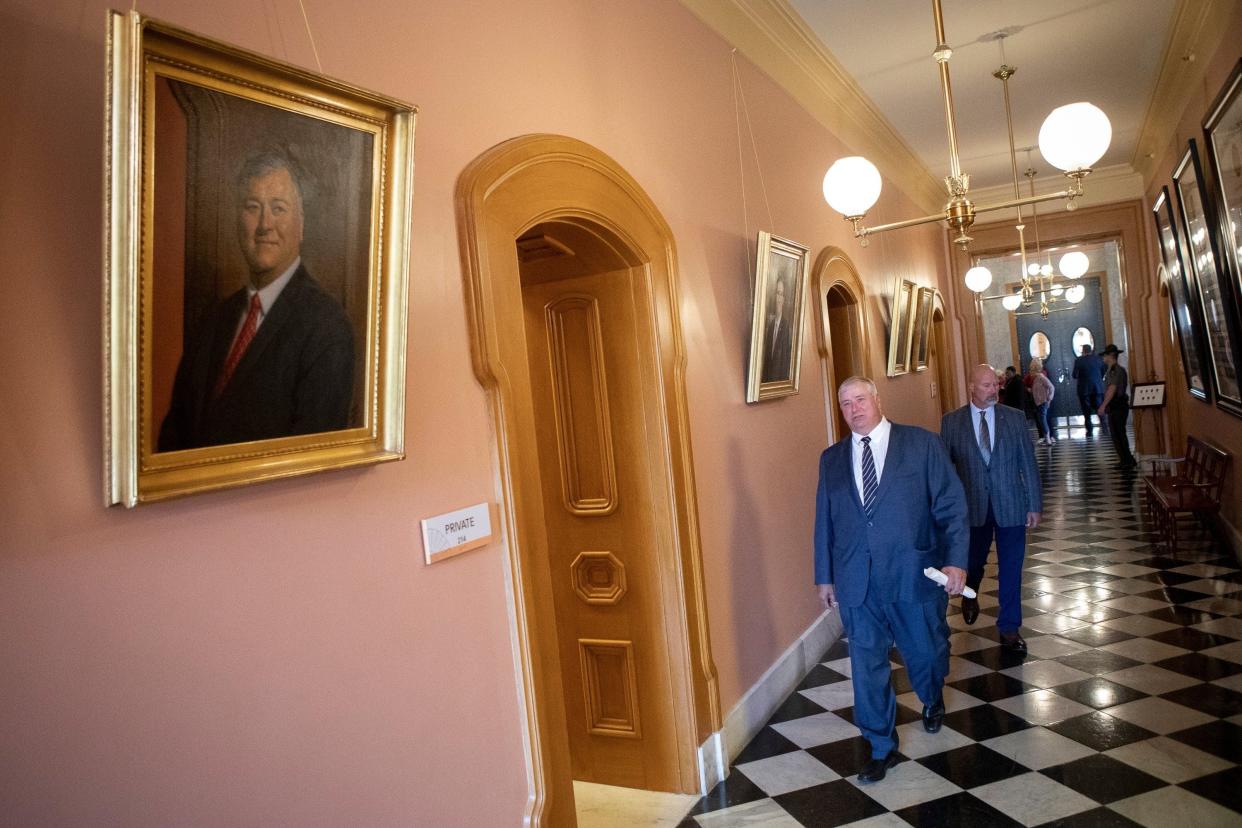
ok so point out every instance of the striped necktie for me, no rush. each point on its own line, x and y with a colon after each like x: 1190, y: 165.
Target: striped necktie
x: 870, y: 483
x: 985, y: 439
x: 240, y: 344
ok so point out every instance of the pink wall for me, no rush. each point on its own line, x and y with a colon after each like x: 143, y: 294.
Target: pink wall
x: 1196, y: 417
x: 280, y: 654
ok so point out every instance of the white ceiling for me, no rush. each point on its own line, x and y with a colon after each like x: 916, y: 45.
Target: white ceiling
x: 1107, y: 52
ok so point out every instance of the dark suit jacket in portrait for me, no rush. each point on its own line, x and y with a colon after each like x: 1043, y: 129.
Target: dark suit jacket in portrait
x: 777, y: 348
x: 296, y: 376
x: 919, y: 521
x: 1010, y: 481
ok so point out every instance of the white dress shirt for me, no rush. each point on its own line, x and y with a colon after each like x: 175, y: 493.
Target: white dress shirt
x: 879, y: 450
x: 990, y: 414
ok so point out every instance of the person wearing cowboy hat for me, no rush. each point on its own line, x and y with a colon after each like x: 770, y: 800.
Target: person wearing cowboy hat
x: 1116, y: 405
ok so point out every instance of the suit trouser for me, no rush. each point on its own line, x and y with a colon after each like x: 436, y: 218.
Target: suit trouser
x: 1010, y: 550
x: 1090, y: 402
x: 921, y: 634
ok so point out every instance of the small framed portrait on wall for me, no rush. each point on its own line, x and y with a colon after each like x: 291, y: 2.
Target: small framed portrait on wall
x: 257, y: 251
x: 905, y: 297
x: 776, y: 325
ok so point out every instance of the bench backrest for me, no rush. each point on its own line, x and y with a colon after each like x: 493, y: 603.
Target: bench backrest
x: 1206, y: 465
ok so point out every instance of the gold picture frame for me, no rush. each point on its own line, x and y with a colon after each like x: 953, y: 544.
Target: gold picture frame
x: 230, y: 178
x: 776, y: 327
x: 901, y: 327
x: 920, y: 334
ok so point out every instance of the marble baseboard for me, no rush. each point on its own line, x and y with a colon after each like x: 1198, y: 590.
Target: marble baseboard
x: 756, y: 706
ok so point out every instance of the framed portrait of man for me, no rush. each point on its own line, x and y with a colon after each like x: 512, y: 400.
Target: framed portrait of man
x: 257, y: 227
x: 776, y: 325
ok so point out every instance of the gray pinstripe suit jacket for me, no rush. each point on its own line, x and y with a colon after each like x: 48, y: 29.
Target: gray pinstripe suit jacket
x: 1010, y: 481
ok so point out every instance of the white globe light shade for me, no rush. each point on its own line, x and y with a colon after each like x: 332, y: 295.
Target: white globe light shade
x: 1045, y: 270
x: 1057, y: 291
x: 852, y: 185
x: 1012, y: 302
x: 1073, y: 264
x: 1032, y: 269
x: 1075, y: 136
x: 1075, y: 294
x: 978, y: 278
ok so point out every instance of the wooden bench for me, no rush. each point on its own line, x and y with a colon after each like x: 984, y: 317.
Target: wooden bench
x: 1189, y: 485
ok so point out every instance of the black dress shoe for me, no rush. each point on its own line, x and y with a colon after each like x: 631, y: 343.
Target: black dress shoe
x: 933, y: 717
x: 875, y: 769
x: 970, y: 610
x: 1013, y: 642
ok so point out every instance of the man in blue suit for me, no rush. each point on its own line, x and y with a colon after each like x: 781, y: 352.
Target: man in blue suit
x: 992, y: 451
x: 1089, y: 371
x: 889, y: 506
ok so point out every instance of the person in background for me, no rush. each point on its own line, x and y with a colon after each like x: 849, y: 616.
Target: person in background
x: 1042, y: 392
x: 1011, y: 389
x: 1089, y: 371
x: 1116, y: 405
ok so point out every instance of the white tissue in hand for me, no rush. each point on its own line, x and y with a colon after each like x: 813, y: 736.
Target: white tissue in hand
x: 942, y: 579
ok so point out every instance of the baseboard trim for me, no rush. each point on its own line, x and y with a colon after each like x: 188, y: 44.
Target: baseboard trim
x: 758, y: 704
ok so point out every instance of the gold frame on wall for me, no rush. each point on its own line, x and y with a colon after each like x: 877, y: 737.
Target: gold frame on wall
x: 920, y: 333
x: 775, y: 254
x: 144, y: 57
x: 901, y: 329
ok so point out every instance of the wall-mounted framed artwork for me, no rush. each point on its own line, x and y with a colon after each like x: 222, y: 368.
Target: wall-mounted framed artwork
x: 920, y: 336
x: 257, y: 246
x: 1215, y: 302
x: 1223, y: 128
x: 776, y: 324
x: 1185, y: 318
x: 901, y: 326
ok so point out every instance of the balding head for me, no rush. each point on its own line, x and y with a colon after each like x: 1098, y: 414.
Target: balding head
x: 983, y: 386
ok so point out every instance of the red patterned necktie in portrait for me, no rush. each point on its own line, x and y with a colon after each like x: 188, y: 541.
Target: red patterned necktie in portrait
x: 240, y: 344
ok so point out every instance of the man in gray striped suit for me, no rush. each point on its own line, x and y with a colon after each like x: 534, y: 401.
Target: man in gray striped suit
x: 992, y: 451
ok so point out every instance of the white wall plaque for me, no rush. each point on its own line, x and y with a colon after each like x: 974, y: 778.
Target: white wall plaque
x: 456, y: 532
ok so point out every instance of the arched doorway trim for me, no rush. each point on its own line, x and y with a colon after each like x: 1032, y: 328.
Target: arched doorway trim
x: 508, y: 189
x: 834, y: 270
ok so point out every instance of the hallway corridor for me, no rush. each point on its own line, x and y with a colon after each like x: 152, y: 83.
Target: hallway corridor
x: 1127, y: 709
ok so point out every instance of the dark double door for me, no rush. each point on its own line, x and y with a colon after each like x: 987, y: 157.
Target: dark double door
x: 1060, y: 328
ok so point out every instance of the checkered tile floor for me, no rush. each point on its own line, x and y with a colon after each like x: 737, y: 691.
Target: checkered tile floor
x: 1127, y: 709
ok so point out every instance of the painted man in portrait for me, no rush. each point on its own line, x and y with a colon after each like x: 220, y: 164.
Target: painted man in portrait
x: 777, y: 336
x: 275, y: 358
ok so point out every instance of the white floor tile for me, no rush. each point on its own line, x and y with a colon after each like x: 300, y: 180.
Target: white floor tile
x: 1038, y: 748
x: 917, y: 742
x: 1045, y: 673
x: 1144, y: 649
x: 819, y: 729
x: 1159, y: 715
x: 1033, y: 799
x: 1042, y: 707
x: 1136, y: 603
x: 1168, y: 759
x: 1137, y: 625
x: 908, y: 784
x: 761, y: 814
x: 1052, y: 646
x: 1148, y: 678
x: 1174, y: 806
x: 787, y: 772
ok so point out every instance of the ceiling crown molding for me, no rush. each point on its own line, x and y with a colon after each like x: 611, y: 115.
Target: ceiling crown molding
x: 1195, y: 35
x: 773, y: 36
x: 1105, y: 185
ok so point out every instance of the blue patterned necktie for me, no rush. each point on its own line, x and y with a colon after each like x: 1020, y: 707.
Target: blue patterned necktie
x: 870, y: 484
x: 985, y: 439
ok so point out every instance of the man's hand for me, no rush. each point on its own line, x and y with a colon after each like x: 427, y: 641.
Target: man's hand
x: 1032, y: 519
x: 827, y: 595
x: 1102, y: 412
x: 957, y: 580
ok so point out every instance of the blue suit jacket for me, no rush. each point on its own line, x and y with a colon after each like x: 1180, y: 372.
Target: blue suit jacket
x: 919, y: 521
x: 1010, y: 481
x: 1089, y: 371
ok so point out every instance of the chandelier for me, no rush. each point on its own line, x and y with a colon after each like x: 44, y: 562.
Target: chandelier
x: 1072, y: 138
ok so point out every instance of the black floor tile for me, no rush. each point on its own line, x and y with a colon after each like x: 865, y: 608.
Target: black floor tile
x: 1200, y: 666
x: 972, y: 765
x: 736, y: 789
x: 1101, y: 578
x: 1098, y: 692
x: 1189, y: 639
x: 1221, y: 739
x: 1093, y: 594
x: 959, y: 809
x: 1208, y: 698
x: 1096, y: 662
x: 839, y: 649
x: 991, y: 686
x: 984, y: 722
x: 904, y: 714
x: 1181, y: 615
x: 1103, y: 778
x: 767, y: 743
x: 997, y: 658
x: 845, y: 756
x: 819, y: 676
x: 1095, y: 635
x: 1223, y: 788
x: 797, y: 706
x: 1095, y: 818
x: 1099, y: 731
x: 829, y: 805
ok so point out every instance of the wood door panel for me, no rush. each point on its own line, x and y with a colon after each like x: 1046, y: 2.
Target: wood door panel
x: 586, y: 373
